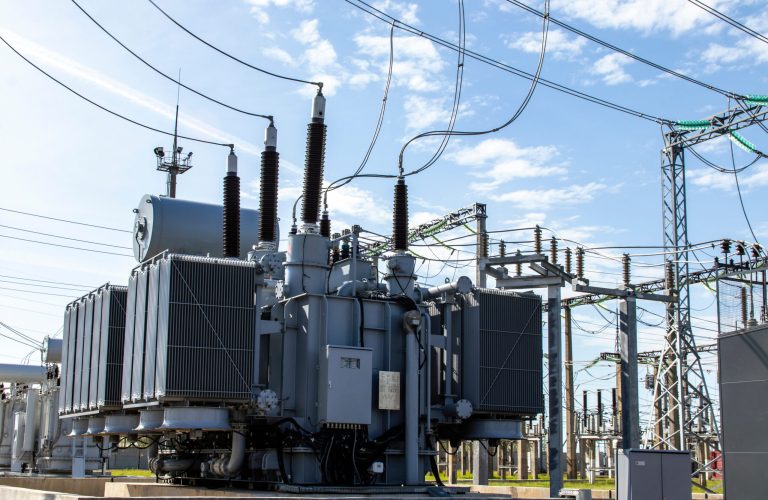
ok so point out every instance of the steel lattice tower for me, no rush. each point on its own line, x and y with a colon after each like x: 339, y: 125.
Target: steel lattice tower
x: 678, y: 423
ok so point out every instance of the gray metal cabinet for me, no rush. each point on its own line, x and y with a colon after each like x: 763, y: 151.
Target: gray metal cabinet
x: 653, y: 475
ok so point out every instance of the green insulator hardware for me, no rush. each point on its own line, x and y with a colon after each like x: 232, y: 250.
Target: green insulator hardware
x: 742, y: 142
x: 693, y: 124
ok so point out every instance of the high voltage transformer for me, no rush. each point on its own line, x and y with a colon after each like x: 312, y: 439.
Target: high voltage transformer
x: 296, y: 366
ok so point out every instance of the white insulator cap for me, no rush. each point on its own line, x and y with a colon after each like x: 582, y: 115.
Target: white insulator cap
x: 270, y: 136
x: 318, y: 107
x: 232, y: 163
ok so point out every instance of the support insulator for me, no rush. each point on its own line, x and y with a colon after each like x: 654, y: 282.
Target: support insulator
x: 325, y: 225
x: 740, y: 251
x: 669, y: 276
x: 268, y: 195
x: 231, y: 209
x: 568, y: 260
x: 553, y: 251
x: 725, y: 245
x: 400, y: 216
x: 579, y: 262
x: 518, y: 265
x: 625, y: 272
x: 744, y: 306
x: 502, y: 249
x: 537, y: 240
x: 345, y: 248
x: 484, y: 245
x: 757, y: 250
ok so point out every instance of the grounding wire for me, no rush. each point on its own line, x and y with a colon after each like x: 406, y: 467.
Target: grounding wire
x: 387, y: 18
x: 167, y: 77
x: 64, y: 237
x: 319, y: 85
x: 346, y: 180
x: 63, y: 246
x: 521, y: 107
x: 733, y: 22
x: 104, y: 108
x: 622, y: 51
x: 63, y: 220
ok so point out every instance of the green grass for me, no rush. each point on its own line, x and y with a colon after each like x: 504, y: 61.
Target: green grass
x: 131, y: 473
x: 543, y: 482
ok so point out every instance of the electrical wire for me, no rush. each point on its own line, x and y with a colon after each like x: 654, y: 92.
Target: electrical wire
x: 46, y: 281
x: 622, y: 51
x: 167, y: 77
x: 15, y: 331
x: 346, y: 180
x: 387, y: 18
x: 64, y: 237
x: 64, y: 246
x: 741, y: 199
x: 36, y: 292
x: 41, y: 286
x: 319, y: 85
x: 446, y: 135
x: 521, y: 107
x: 104, y: 108
x: 63, y: 220
x: 736, y: 24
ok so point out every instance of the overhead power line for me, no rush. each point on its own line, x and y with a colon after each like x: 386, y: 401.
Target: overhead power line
x: 622, y: 51
x: 35, y: 292
x: 64, y: 246
x: 733, y: 22
x: 167, y: 77
x: 89, y: 287
x: 387, y: 18
x: 319, y: 85
x: 65, y: 237
x: 104, y: 108
x: 63, y: 220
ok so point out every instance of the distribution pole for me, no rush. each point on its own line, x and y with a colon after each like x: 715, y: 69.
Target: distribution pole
x: 555, y: 376
x: 570, y: 415
x: 630, y: 416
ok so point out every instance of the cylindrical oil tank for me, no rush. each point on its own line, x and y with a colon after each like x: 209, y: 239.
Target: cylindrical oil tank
x: 188, y: 227
x: 22, y: 373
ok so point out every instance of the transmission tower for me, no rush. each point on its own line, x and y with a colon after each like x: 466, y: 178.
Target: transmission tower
x: 679, y: 380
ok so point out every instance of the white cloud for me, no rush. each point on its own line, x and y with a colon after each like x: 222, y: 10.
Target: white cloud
x: 320, y: 57
x: 259, y: 8
x: 707, y: 178
x: 359, y: 204
x: 674, y: 16
x: 417, y: 61
x: 611, y: 68
x: 545, y: 198
x: 558, y: 43
x: 500, y: 160
x: 421, y: 113
x: 405, y: 11
x: 279, y: 54
x: 93, y: 77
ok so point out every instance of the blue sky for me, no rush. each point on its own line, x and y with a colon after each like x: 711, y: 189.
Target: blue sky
x: 589, y: 173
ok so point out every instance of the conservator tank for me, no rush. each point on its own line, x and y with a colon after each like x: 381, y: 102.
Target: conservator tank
x: 188, y: 227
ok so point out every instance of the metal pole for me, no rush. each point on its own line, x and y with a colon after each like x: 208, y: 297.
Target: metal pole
x: 411, y: 409
x: 570, y: 414
x: 630, y: 416
x: 482, y: 250
x: 555, y: 377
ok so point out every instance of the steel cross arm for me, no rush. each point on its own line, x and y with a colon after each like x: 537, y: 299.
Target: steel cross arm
x: 721, y: 124
x: 448, y: 222
x: 651, y: 357
x: 581, y: 286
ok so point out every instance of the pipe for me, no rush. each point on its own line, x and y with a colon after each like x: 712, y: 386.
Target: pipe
x: 462, y: 285
x: 22, y: 373
x: 411, y: 321
x: 174, y: 464
x: 231, y: 467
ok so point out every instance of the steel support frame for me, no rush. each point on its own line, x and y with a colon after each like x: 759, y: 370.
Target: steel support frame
x: 679, y: 377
